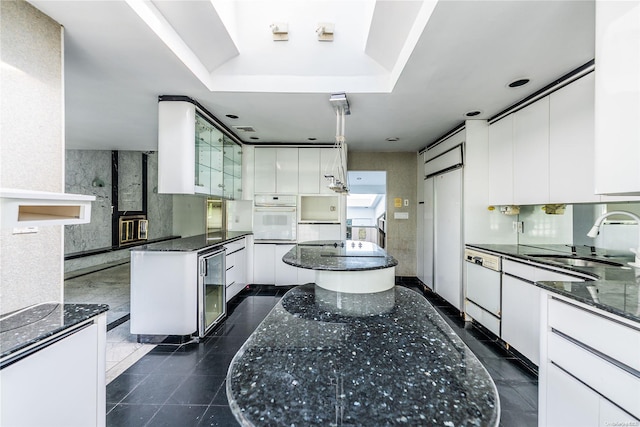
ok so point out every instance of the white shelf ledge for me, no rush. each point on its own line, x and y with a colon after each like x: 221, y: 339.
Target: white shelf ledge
x: 22, y: 208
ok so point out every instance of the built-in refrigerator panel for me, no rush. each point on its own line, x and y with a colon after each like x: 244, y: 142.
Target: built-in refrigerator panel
x: 211, y: 290
x: 428, y: 237
x: 448, y: 236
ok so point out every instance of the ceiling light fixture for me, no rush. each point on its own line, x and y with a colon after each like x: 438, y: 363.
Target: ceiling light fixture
x: 336, y: 174
x: 472, y: 113
x: 311, y: 138
x: 232, y: 116
x: 519, y: 82
x: 254, y: 137
x: 392, y: 139
x: 325, y: 32
x: 280, y: 31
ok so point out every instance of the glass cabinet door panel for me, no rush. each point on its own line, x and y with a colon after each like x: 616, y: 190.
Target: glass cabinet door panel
x: 203, y: 156
x: 213, y: 288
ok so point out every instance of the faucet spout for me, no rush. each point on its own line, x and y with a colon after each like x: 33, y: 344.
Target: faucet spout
x: 595, y: 230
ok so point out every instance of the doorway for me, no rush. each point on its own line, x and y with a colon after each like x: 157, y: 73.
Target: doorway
x: 367, y: 206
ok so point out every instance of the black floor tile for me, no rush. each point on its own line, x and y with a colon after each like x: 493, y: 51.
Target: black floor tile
x: 219, y: 416
x: 510, y: 418
x: 178, y: 415
x: 131, y: 415
x: 214, y: 363
x: 123, y: 385
x: 197, y: 390
x: 510, y: 399
x: 220, y: 399
x: 155, y: 389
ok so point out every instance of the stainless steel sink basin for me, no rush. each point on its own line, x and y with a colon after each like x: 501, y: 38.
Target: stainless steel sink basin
x: 577, y: 261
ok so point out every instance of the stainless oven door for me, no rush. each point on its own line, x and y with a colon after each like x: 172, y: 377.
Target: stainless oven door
x: 274, y: 223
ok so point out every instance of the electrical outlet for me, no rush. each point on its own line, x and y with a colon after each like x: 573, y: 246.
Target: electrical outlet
x: 406, y: 202
x: 518, y: 226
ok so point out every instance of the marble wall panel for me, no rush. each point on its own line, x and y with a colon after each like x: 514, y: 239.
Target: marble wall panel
x: 159, y: 206
x: 129, y: 181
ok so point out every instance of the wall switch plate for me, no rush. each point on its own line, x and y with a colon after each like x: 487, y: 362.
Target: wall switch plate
x: 518, y: 226
x: 401, y: 215
x: 406, y: 202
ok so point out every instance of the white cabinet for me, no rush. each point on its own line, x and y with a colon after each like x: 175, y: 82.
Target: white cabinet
x: 236, y: 267
x: 428, y: 232
x: 313, y: 164
x: 60, y: 385
x: 571, y: 142
x: 521, y: 305
x: 276, y: 170
x: 617, y: 130
x: 420, y: 241
x: 268, y: 267
x: 531, y: 154
x: 501, y: 161
x: 589, y: 366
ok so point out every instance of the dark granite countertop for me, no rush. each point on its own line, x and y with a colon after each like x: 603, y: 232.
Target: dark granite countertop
x: 193, y: 243
x: 339, y: 255
x: 615, y: 289
x: 398, y: 362
x: 37, y: 323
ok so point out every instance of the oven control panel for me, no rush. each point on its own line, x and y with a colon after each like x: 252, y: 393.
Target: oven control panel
x: 492, y: 262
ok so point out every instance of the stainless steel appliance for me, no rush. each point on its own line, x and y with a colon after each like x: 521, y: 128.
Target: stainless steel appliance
x: 275, y: 217
x: 212, y: 305
x: 484, y: 288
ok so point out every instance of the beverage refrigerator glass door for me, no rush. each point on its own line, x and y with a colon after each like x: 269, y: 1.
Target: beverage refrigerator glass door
x: 212, y: 305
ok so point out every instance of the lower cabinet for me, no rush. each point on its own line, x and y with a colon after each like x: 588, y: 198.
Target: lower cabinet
x: 268, y: 267
x: 521, y: 305
x: 60, y: 385
x: 590, y: 364
x: 236, y: 267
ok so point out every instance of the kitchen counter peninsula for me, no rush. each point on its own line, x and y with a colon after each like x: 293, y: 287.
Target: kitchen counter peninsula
x: 307, y: 364
x: 346, y: 266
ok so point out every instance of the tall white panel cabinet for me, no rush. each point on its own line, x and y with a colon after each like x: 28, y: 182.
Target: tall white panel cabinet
x: 276, y: 170
x: 501, y: 161
x: 313, y: 163
x: 531, y: 154
x: 617, y: 129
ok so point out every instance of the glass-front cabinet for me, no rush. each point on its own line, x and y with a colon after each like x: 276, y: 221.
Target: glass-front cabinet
x: 232, y: 169
x: 196, y: 155
x: 211, y: 290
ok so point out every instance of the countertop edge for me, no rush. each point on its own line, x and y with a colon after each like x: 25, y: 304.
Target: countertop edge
x: 160, y: 247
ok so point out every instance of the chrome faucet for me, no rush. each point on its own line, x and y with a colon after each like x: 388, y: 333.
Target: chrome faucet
x: 595, y: 230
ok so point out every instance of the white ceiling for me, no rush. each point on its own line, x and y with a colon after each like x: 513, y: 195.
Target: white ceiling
x: 410, y: 70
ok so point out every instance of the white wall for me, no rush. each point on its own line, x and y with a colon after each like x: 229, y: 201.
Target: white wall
x: 32, y: 149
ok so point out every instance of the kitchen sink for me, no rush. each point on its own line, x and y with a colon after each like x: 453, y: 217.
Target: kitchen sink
x: 577, y: 261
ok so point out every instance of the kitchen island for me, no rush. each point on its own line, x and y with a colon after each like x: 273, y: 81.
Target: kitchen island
x: 307, y: 364
x: 345, y: 266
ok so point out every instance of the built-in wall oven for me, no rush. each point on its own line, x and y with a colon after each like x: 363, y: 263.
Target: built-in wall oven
x: 484, y: 289
x: 275, y: 217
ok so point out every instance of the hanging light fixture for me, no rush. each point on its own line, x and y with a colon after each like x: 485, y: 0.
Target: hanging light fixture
x: 337, y: 176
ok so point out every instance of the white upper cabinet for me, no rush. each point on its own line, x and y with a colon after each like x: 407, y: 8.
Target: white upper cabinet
x: 309, y: 180
x: 531, y: 154
x: 276, y: 170
x: 571, y: 143
x: 501, y: 161
x: 617, y: 129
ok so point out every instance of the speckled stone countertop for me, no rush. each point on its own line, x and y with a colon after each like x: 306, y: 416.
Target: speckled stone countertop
x: 37, y: 323
x: 340, y: 255
x: 193, y: 243
x: 310, y: 365
x: 613, y: 288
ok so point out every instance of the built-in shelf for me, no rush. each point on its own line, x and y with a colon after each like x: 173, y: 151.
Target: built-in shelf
x: 22, y: 208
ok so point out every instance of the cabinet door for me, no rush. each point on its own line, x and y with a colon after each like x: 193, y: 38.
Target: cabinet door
x: 287, y: 170
x: 285, y: 273
x: 520, y: 316
x: 571, y: 143
x: 265, y: 170
x: 569, y: 402
x: 309, y: 170
x: 531, y: 154
x: 264, y: 270
x: 501, y: 162
x: 428, y: 231
x: 420, y: 242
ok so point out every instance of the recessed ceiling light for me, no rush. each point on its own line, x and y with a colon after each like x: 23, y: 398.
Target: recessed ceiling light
x: 311, y: 138
x: 473, y: 113
x: 232, y: 116
x: 253, y: 137
x: 392, y: 139
x: 519, y: 82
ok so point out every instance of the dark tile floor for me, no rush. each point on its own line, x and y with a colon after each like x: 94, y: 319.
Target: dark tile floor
x: 185, y: 385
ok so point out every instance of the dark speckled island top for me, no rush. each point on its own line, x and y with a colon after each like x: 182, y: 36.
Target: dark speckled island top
x: 40, y: 322
x: 339, y: 255
x: 310, y: 365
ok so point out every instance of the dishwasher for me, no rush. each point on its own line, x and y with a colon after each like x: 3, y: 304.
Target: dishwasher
x: 484, y: 288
